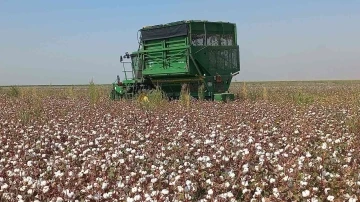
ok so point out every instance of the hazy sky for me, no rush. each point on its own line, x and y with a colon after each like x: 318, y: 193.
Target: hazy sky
x: 70, y: 42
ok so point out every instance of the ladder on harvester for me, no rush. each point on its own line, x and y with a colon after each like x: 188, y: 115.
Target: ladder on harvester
x: 129, y: 80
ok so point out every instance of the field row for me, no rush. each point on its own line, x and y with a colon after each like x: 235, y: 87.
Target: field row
x: 75, y: 144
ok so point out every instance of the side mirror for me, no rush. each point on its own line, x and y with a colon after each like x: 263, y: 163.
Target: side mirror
x: 121, y: 58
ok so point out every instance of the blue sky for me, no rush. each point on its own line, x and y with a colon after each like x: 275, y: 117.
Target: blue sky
x: 70, y: 42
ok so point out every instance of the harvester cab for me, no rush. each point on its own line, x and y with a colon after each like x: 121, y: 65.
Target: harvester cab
x: 133, y: 81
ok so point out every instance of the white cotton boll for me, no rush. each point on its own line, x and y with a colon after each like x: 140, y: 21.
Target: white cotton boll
x: 180, y: 189
x: 246, y: 151
x: 245, y: 183
x: 245, y: 190
x: 22, y: 188
x: 43, y: 183
x: 154, y: 193
x: 4, y: 186
x: 80, y: 174
x: 245, y: 168
x: 164, y: 191
x: 352, y: 199
x: 104, y: 185
x: 206, y: 158
x: 106, y: 195
x: 313, y: 199
x: 231, y: 174
x: 330, y: 198
x: 68, y: 193
x: 305, y: 193
x: 7, y: 196
x: 58, y: 173
x: 134, y: 189
x: 45, y: 189
x: 229, y: 194
x: 272, y: 180
x: 258, y: 191
x: 276, y: 192
x: 59, y: 199
x: 30, y: 191
x: 120, y: 185
x: 227, y: 184
x: 137, y: 198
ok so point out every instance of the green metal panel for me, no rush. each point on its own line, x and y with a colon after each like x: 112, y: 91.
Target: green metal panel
x: 217, y: 59
x: 224, y: 97
x: 215, y: 50
x: 219, y: 97
x: 166, y: 56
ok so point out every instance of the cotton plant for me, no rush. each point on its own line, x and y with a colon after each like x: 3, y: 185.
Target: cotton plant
x: 210, y: 152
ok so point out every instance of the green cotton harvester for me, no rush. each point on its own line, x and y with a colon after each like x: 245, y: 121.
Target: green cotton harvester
x: 201, y: 57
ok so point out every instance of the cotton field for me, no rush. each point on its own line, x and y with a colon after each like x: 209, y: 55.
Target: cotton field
x: 274, y: 143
